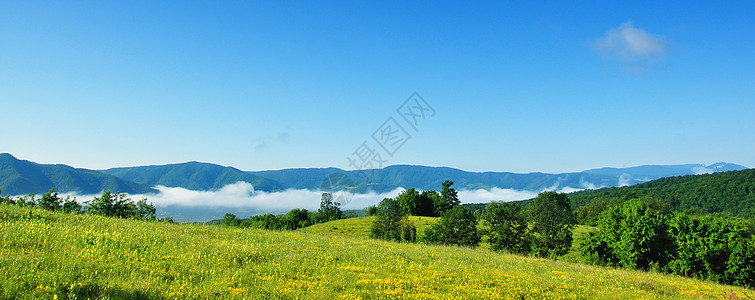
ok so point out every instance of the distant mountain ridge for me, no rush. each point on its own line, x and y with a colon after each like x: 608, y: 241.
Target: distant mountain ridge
x: 192, y: 175
x: 20, y: 177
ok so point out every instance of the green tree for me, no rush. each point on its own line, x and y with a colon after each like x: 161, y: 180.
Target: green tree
x: 416, y: 204
x: 457, y: 226
x: 145, y: 211
x: 71, y: 206
x: 230, y: 220
x: 632, y: 235
x: 448, y: 198
x: 715, y: 248
x: 297, y: 218
x: 552, y: 221
x: 50, y: 201
x: 507, y: 227
x: 372, y: 210
x: 392, y: 223
x: 329, y: 209
x: 112, y: 205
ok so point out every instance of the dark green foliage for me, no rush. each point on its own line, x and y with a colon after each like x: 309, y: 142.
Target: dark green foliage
x: 480, y: 207
x: 457, y: 226
x: 145, y: 211
x: 631, y: 235
x: 26, y: 201
x: 507, y: 227
x: 230, y: 220
x: 636, y: 234
x: 416, y: 204
x: 294, y: 219
x: 552, y: 220
x: 392, y: 223
x: 71, y: 205
x: 732, y: 193
x: 119, y: 205
x: 50, y: 201
x: 372, y: 210
x: 167, y: 220
x: 448, y: 198
x: 297, y: 218
x: 329, y: 209
x: 714, y: 248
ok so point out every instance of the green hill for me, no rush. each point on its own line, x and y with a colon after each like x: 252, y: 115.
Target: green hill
x: 193, y: 176
x: 731, y: 193
x: 21, y: 177
x: 46, y: 255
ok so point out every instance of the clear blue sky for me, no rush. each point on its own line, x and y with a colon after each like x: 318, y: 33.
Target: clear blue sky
x: 516, y: 87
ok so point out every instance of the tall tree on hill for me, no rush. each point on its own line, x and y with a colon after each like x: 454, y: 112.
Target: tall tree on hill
x: 448, y: 198
x: 552, y: 221
x: 329, y: 209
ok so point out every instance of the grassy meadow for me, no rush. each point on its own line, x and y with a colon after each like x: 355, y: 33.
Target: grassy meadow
x: 51, y: 255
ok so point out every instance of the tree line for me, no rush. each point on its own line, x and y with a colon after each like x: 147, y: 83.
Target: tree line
x: 330, y: 210
x: 108, y: 204
x: 638, y: 233
x: 731, y: 193
x: 544, y: 229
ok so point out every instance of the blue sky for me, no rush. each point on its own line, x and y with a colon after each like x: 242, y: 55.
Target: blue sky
x: 549, y: 87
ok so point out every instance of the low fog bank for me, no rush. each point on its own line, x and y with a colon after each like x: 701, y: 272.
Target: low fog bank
x: 243, y: 201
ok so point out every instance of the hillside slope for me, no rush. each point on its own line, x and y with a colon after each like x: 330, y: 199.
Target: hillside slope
x: 21, y: 177
x: 52, y: 255
x: 193, y: 176
x: 730, y: 192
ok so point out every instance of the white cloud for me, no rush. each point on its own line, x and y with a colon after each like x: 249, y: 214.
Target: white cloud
x: 702, y: 170
x: 625, y: 180
x: 633, y: 47
x: 494, y: 194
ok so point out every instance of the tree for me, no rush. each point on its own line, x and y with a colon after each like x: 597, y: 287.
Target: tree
x: 392, y: 223
x: 372, y: 210
x: 632, y: 235
x: 448, y: 198
x: 552, y: 221
x: 457, y: 226
x: 230, y: 220
x: 714, y: 248
x: 329, y: 209
x: 145, y: 211
x: 50, y: 201
x: 112, y: 205
x: 297, y: 218
x: 71, y: 206
x: 507, y: 227
x: 416, y: 204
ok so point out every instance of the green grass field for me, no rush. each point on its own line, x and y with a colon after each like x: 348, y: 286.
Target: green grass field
x: 360, y: 227
x: 54, y: 255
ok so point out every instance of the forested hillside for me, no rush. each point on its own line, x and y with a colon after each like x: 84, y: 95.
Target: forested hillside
x: 192, y: 175
x: 731, y: 193
x: 22, y: 177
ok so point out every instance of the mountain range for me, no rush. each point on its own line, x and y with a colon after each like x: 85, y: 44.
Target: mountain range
x: 21, y: 177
